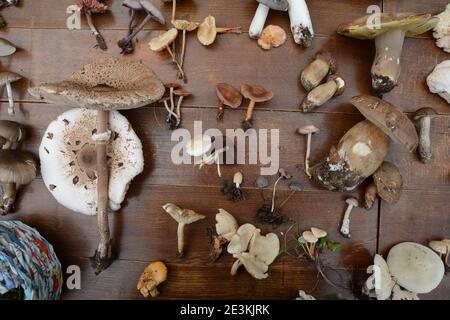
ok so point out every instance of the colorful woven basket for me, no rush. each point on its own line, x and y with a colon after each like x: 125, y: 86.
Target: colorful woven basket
x: 28, y: 263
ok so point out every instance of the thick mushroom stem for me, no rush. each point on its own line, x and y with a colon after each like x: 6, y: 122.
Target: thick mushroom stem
x: 10, y: 98
x: 235, y: 267
x: 386, y: 66
x: 258, y: 22
x: 307, y: 155
x: 100, y: 40
x: 345, y: 227
x: 180, y: 235
x: 9, y: 197
x: 103, y: 256
x: 424, y: 140
x: 301, y: 25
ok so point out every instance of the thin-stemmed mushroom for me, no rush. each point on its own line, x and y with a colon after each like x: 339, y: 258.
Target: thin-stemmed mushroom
x: 7, y: 48
x: 282, y: 175
x: 172, y: 117
x: 126, y: 44
x: 308, y: 130
x: 162, y: 42
x: 11, y: 133
x: 16, y: 168
x: 389, y: 35
x: 301, y: 25
x: 181, y: 94
x: 89, y: 7
x: 423, y: 118
x: 172, y: 86
x: 234, y: 190
x: 106, y: 85
x: 345, y: 226
x: 207, y: 31
x: 317, y: 71
x: 185, y: 26
x: 295, y: 187
x: 260, y: 17
x: 323, y: 93
x: 183, y: 217
x: 228, y: 96
x: 256, y: 94
x: 6, y: 78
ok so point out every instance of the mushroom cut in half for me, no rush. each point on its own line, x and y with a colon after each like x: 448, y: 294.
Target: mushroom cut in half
x: 389, y: 34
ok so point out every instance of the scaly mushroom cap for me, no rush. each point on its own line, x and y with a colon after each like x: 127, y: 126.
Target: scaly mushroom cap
x: 279, y: 5
x: 226, y: 225
x: 389, y: 182
x: 256, y: 93
x: 272, y: 36
x: 164, y: 40
x: 93, y: 6
x: 109, y: 84
x: 17, y: 167
x: 185, y: 216
x: 229, y: 95
x: 7, y: 76
x: 438, y: 81
x: 413, y: 25
x: 241, y: 240
x: 415, y: 267
x: 308, y: 236
x: 207, y: 31
x: 185, y: 25
x: 389, y: 119
x: 7, y: 48
x: 68, y: 160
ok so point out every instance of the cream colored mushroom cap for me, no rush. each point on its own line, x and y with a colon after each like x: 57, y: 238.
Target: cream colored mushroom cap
x: 415, y: 267
x: 309, y: 236
x: 226, y: 225
x: 162, y: 41
x: 241, y: 240
x: 68, y: 160
x: 264, y: 248
x: 318, y: 233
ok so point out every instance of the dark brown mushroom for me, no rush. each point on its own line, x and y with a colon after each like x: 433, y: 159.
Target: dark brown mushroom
x: 389, y: 182
x: 228, y: 96
x: 256, y: 94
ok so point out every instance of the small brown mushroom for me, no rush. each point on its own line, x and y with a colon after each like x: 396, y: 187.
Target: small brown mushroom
x: 323, y: 93
x: 154, y: 274
x: 181, y: 94
x: 423, y: 118
x: 370, y: 196
x: 256, y: 94
x: 228, y: 96
x: 272, y: 37
x: 207, y: 31
x: 308, y: 131
x: 317, y: 71
x: 6, y: 78
x: 389, y: 182
x: 11, y: 133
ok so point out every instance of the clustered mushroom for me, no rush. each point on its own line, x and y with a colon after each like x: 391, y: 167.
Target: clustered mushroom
x: 228, y: 96
x: 174, y: 111
x: 255, y: 94
x: 234, y: 190
x: 154, y: 274
x: 184, y: 26
x: 90, y: 7
x: 6, y: 78
x: 205, y: 153
x: 441, y: 30
x: 345, y: 225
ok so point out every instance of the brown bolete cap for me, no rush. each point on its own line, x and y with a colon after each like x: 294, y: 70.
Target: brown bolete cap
x: 164, y: 40
x: 309, y: 129
x: 327, y: 58
x: 7, y: 76
x: 228, y: 95
x: 389, y: 119
x: 256, y: 93
x: 17, y: 167
x: 109, y: 84
x: 182, y: 93
x: 185, y: 25
x: 413, y: 24
x: 389, y: 182
x: 425, y: 112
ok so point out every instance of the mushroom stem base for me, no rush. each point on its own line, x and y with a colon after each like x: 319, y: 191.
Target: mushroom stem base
x: 99, y: 263
x: 9, y: 197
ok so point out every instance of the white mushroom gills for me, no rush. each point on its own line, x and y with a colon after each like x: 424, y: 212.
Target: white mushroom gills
x: 258, y: 22
x: 301, y: 25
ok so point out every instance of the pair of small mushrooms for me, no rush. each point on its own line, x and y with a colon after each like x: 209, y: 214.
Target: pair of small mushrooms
x: 309, y: 240
x: 89, y: 157
x: 312, y: 79
x: 174, y: 114
x: 205, y: 152
x: 410, y: 269
x: 90, y: 7
x: 154, y: 274
x: 389, y: 32
x: 301, y: 25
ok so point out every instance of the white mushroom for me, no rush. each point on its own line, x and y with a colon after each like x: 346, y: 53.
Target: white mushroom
x: 302, y: 295
x: 68, y: 159
x: 226, y: 225
x: 301, y: 25
x: 256, y: 268
x: 240, y: 241
x: 400, y: 294
x: 439, y: 80
x: 379, y: 285
x: 345, y: 226
x: 441, y: 30
x: 415, y: 267
x: 318, y: 233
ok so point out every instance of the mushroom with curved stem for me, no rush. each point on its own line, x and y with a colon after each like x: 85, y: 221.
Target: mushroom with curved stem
x: 171, y: 86
x: 295, y: 186
x: 228, y: 96
x: 256, y: 94
x: 323, y: 93
x: 11, y: 133
x: 260, y: 17
x: 6, y: 78
x: 90, y: 7
x: 126, y: 44
x: 317, y: 71
x: 207, y: 31
x: 181, y: 94
x: 282, y: 175
x: 308, y: 130
x: 184, y: 26
x: 234, y: 190
x: 154, y: 274
x: 301, y: 25
x: 389, y: 35
x: 170, y: 113
x: 423, y: 118
x: 162, y: 42
x: 345, y: 226
x: 183, y: 217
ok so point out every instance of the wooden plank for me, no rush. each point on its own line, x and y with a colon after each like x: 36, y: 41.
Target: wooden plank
x: 419, y: 6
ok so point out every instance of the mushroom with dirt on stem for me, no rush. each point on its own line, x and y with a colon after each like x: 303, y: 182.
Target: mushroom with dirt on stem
x: 301, y: 25
x: 423, y: 118
x: 181, y: 94
x: 345, y: 226
x: 255, y: 94
x: 126, y: 44
x: 389, y: 182
x: 172, y: 117
x: 154, y: 274
x: 207, y: 31
x: 272, y: 37
x: 182, y: 217
x: 389, y: 35
x: 16, y: 168
x: 323, y: 93
x: 308, y: 130
x: 260, y: 17
x: 6, y: 78
x: 322, y: 65
x: 172, y: 86
x: 234, y: 190
x: 282, y: 175
x: 90, y: 7
x: 228, y: 96
x: 11, y: 133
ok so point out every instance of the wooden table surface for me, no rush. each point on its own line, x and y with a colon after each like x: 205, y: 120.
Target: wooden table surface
x: 144, y: 233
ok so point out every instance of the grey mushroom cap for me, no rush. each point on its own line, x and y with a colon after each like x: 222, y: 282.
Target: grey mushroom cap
x: 17, y: 167
x: 132, y: 4
x: 7, y: 48
x: 280, y: 5
x: 151, y: 9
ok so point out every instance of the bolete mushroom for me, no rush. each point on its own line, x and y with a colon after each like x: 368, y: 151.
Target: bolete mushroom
x: 207, y: 31
x: 256, y: 94
x: 183, y: 217
x: 260, y: 17
x: 104, y: 86
x: 308, y: 130
x: 301, y: 25
x: 389, y: 34
x: 172, y: 86
x: 317, y: 71
x: 6, y: 78
x: 7, y: 48
x: 154, y: 274
x: 16, y: 168
x: 423, y: 118
x: 272, y: 37
x: 89, y: 7
x: 320, y: 95
x: 438, y: 81
x: 228, y: 96
x: 389, y: 182
x: 11, y: 133
x: 345, y: 225
x: 202, y: 147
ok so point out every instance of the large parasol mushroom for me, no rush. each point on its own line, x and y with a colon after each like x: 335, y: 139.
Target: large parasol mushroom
x: 106, y: 85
